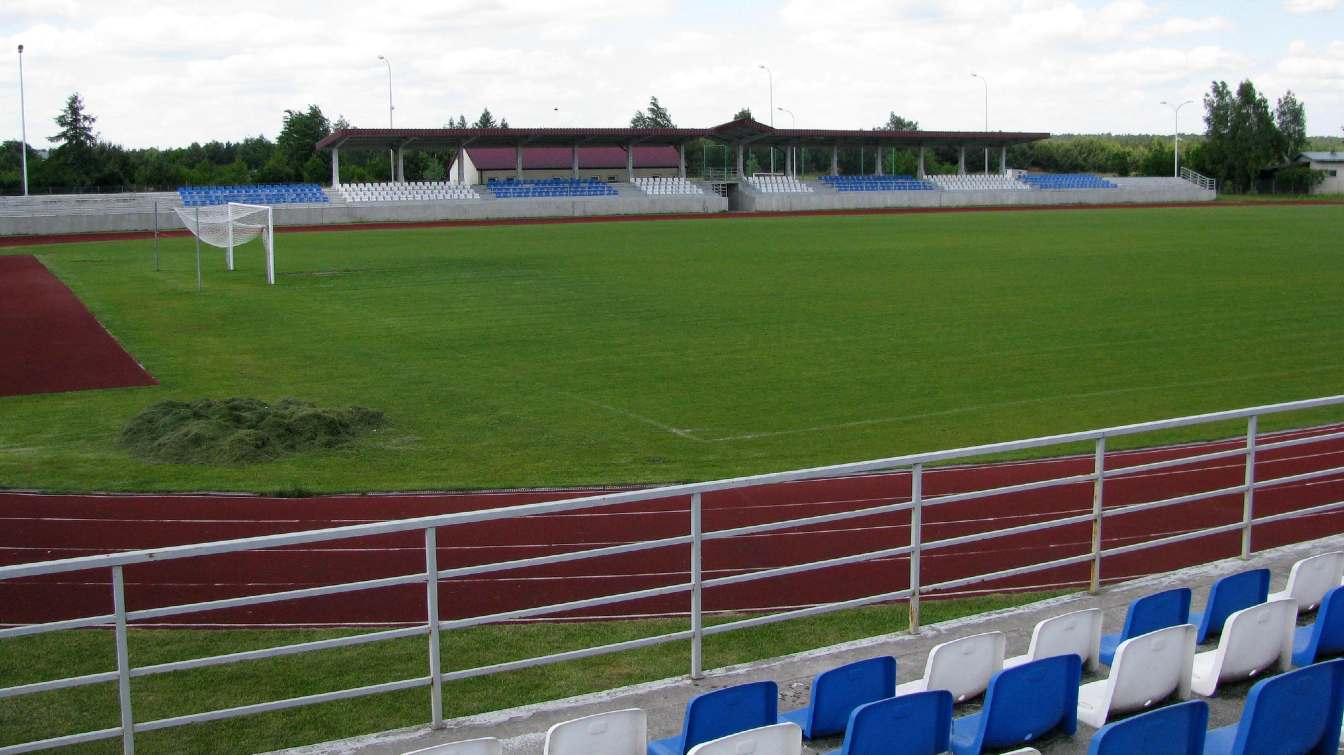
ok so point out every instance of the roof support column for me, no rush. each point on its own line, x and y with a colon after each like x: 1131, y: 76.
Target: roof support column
x: 1003, y: 160
x: 788, y: 160
x: 961, y: 160
x: 401, y: 165
x: 574, y: 161
x: 462, y: 162
x: 518, y: 161
x: 740, y: 173
x: 630, y: 163
x: 878, y: 170
x: 335, y: 167
x: 920, y: 173
x: 681, y: 160
x: 835, y: 159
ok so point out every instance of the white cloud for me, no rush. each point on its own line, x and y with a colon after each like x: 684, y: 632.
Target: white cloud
x: 1309, y: 6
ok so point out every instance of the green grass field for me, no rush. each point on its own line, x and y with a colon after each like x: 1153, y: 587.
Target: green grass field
x: 94, y: 707
x: 680, y: 350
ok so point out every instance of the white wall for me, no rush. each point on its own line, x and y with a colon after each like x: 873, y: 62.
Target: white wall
x: 1332, y: 184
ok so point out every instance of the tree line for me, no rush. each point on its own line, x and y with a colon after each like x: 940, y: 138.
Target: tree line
x: 1243, y: 137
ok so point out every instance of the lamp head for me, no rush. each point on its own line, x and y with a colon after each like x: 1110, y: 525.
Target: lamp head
x: 20, y: 49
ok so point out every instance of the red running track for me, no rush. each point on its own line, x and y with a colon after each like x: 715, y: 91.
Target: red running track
x: 49, y: 342
x: 41, y: 527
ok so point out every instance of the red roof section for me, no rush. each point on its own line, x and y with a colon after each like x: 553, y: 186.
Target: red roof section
x: 559, y: 158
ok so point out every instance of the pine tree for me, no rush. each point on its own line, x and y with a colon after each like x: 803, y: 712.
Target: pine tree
x: 76, y: 125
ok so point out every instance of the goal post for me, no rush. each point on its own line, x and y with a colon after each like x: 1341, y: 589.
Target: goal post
x: 232, y: 225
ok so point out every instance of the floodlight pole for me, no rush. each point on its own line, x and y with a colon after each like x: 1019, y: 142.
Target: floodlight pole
x: 391, y: 153
x: 23, y: 126
x: 1176, y: 136
x: 772, y: 112
x: 986, y: 83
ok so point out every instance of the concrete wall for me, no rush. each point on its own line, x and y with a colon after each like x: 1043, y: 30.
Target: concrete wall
x: 630, y: 202
x: 1131, y: 191
x: 1332, y: 184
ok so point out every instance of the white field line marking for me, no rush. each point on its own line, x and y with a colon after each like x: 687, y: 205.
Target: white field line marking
x: 678, y: 431
x: 1017, y: 402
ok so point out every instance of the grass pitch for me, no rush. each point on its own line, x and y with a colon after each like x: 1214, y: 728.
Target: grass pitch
x: 677, y: 350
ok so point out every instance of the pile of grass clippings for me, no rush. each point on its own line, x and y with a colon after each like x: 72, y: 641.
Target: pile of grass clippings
x: 236, y: 431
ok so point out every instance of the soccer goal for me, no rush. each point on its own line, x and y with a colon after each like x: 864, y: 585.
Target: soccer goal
x: 231, y: 225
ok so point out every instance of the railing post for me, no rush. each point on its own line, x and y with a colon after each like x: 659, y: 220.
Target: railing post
x: 432, y: 602
x: 1248, y: 498
x: 1098, y: 491
x: 697, y: 579
x: 916, y: 540
x: 123, y: 662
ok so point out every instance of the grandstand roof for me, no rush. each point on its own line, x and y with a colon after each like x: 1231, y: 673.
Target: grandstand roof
x: 741, y: 131
x: 559, y: 158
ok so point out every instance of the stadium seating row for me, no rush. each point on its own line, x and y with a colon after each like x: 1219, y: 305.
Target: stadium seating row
x: 1058, y: 181
x: 769, y: 184
x: 1151, y: 660
x: 663, y: 186
x: 269, y: 194
x: 979, y: 183
x: 513, y: 188
x: 878, y: 183
x: 414, y: 191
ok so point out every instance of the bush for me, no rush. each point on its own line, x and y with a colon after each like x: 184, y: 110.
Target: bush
x: 236, y: 431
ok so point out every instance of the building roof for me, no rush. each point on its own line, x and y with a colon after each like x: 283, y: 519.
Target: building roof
x: 559, y: 158
x: 741, y: 131
x: 1322, y: 157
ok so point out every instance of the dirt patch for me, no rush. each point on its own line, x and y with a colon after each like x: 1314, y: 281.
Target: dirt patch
x: 236, y: 431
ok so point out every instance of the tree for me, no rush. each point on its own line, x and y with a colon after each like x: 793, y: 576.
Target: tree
x: 76, y: 125
x: 743, y: 113
x: 1242, y: 136
x: 656, y: 117
x: 897, y: 123
x: 296, y: 146
x: 1291, y: 118
x: 486, y: 120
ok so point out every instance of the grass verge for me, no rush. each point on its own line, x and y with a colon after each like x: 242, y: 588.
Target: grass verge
x: 94, y: 707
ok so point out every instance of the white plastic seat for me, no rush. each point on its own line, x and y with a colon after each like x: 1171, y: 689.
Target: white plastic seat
x: 620, y: 732
x: 1147, y: 670
x: 1253, y: 639
x: 779, y: 739
x: 482, y: 746
x: 962, y: 667
x: 1077, y: 632
x: 1311, y: 578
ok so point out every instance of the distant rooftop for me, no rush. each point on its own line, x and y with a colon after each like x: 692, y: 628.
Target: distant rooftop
x: 1323, y: 157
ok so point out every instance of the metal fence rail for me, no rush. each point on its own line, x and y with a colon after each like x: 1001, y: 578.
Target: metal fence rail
x: 433, y: 627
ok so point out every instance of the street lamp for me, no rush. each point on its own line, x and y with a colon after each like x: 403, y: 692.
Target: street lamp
x: 23, y: 127
x: 794, y: 120
x: 772, y: 111
x: 986, y: 83
x: 391, y: 153
x: 1176, y: 136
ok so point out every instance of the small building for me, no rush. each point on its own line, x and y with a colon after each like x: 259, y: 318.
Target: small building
x: 605, y: 163
x: 1329, y: 163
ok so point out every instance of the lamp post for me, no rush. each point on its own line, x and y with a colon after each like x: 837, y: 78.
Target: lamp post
x: 1176, y: 136
x: 772, y: 111
x: 23, y: 127
x: 391, y: 153
x: 986, y: 83
x: 794, y: 120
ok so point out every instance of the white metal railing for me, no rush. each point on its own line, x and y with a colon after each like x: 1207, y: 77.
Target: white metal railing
x: 1202, y: 181
x: 434, y: 625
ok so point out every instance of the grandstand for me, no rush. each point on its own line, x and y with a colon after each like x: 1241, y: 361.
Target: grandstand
x: 536, y: 188
x: 1061, y: 182
x: 272, y: 194
x: 779, y: 185
x: 878, y: 183
x: 657, y: 185
x: 411, y: 191
x: 978, y: 183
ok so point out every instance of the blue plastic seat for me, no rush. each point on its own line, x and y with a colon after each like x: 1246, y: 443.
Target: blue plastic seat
x: 720, y: 713
x: 1227, y: 596
x: 837, y: 692
x: 1174, y: 730
x: 914, y: 724
x: 1323, y: 637
x: 1294, y: 712
x: 1021, y: 705
x: 1160, y: 610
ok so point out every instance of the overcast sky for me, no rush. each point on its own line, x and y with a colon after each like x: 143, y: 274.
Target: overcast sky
x: 167, y: 74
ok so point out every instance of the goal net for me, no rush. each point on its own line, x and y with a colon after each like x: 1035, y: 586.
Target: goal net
x: 231, y: 225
